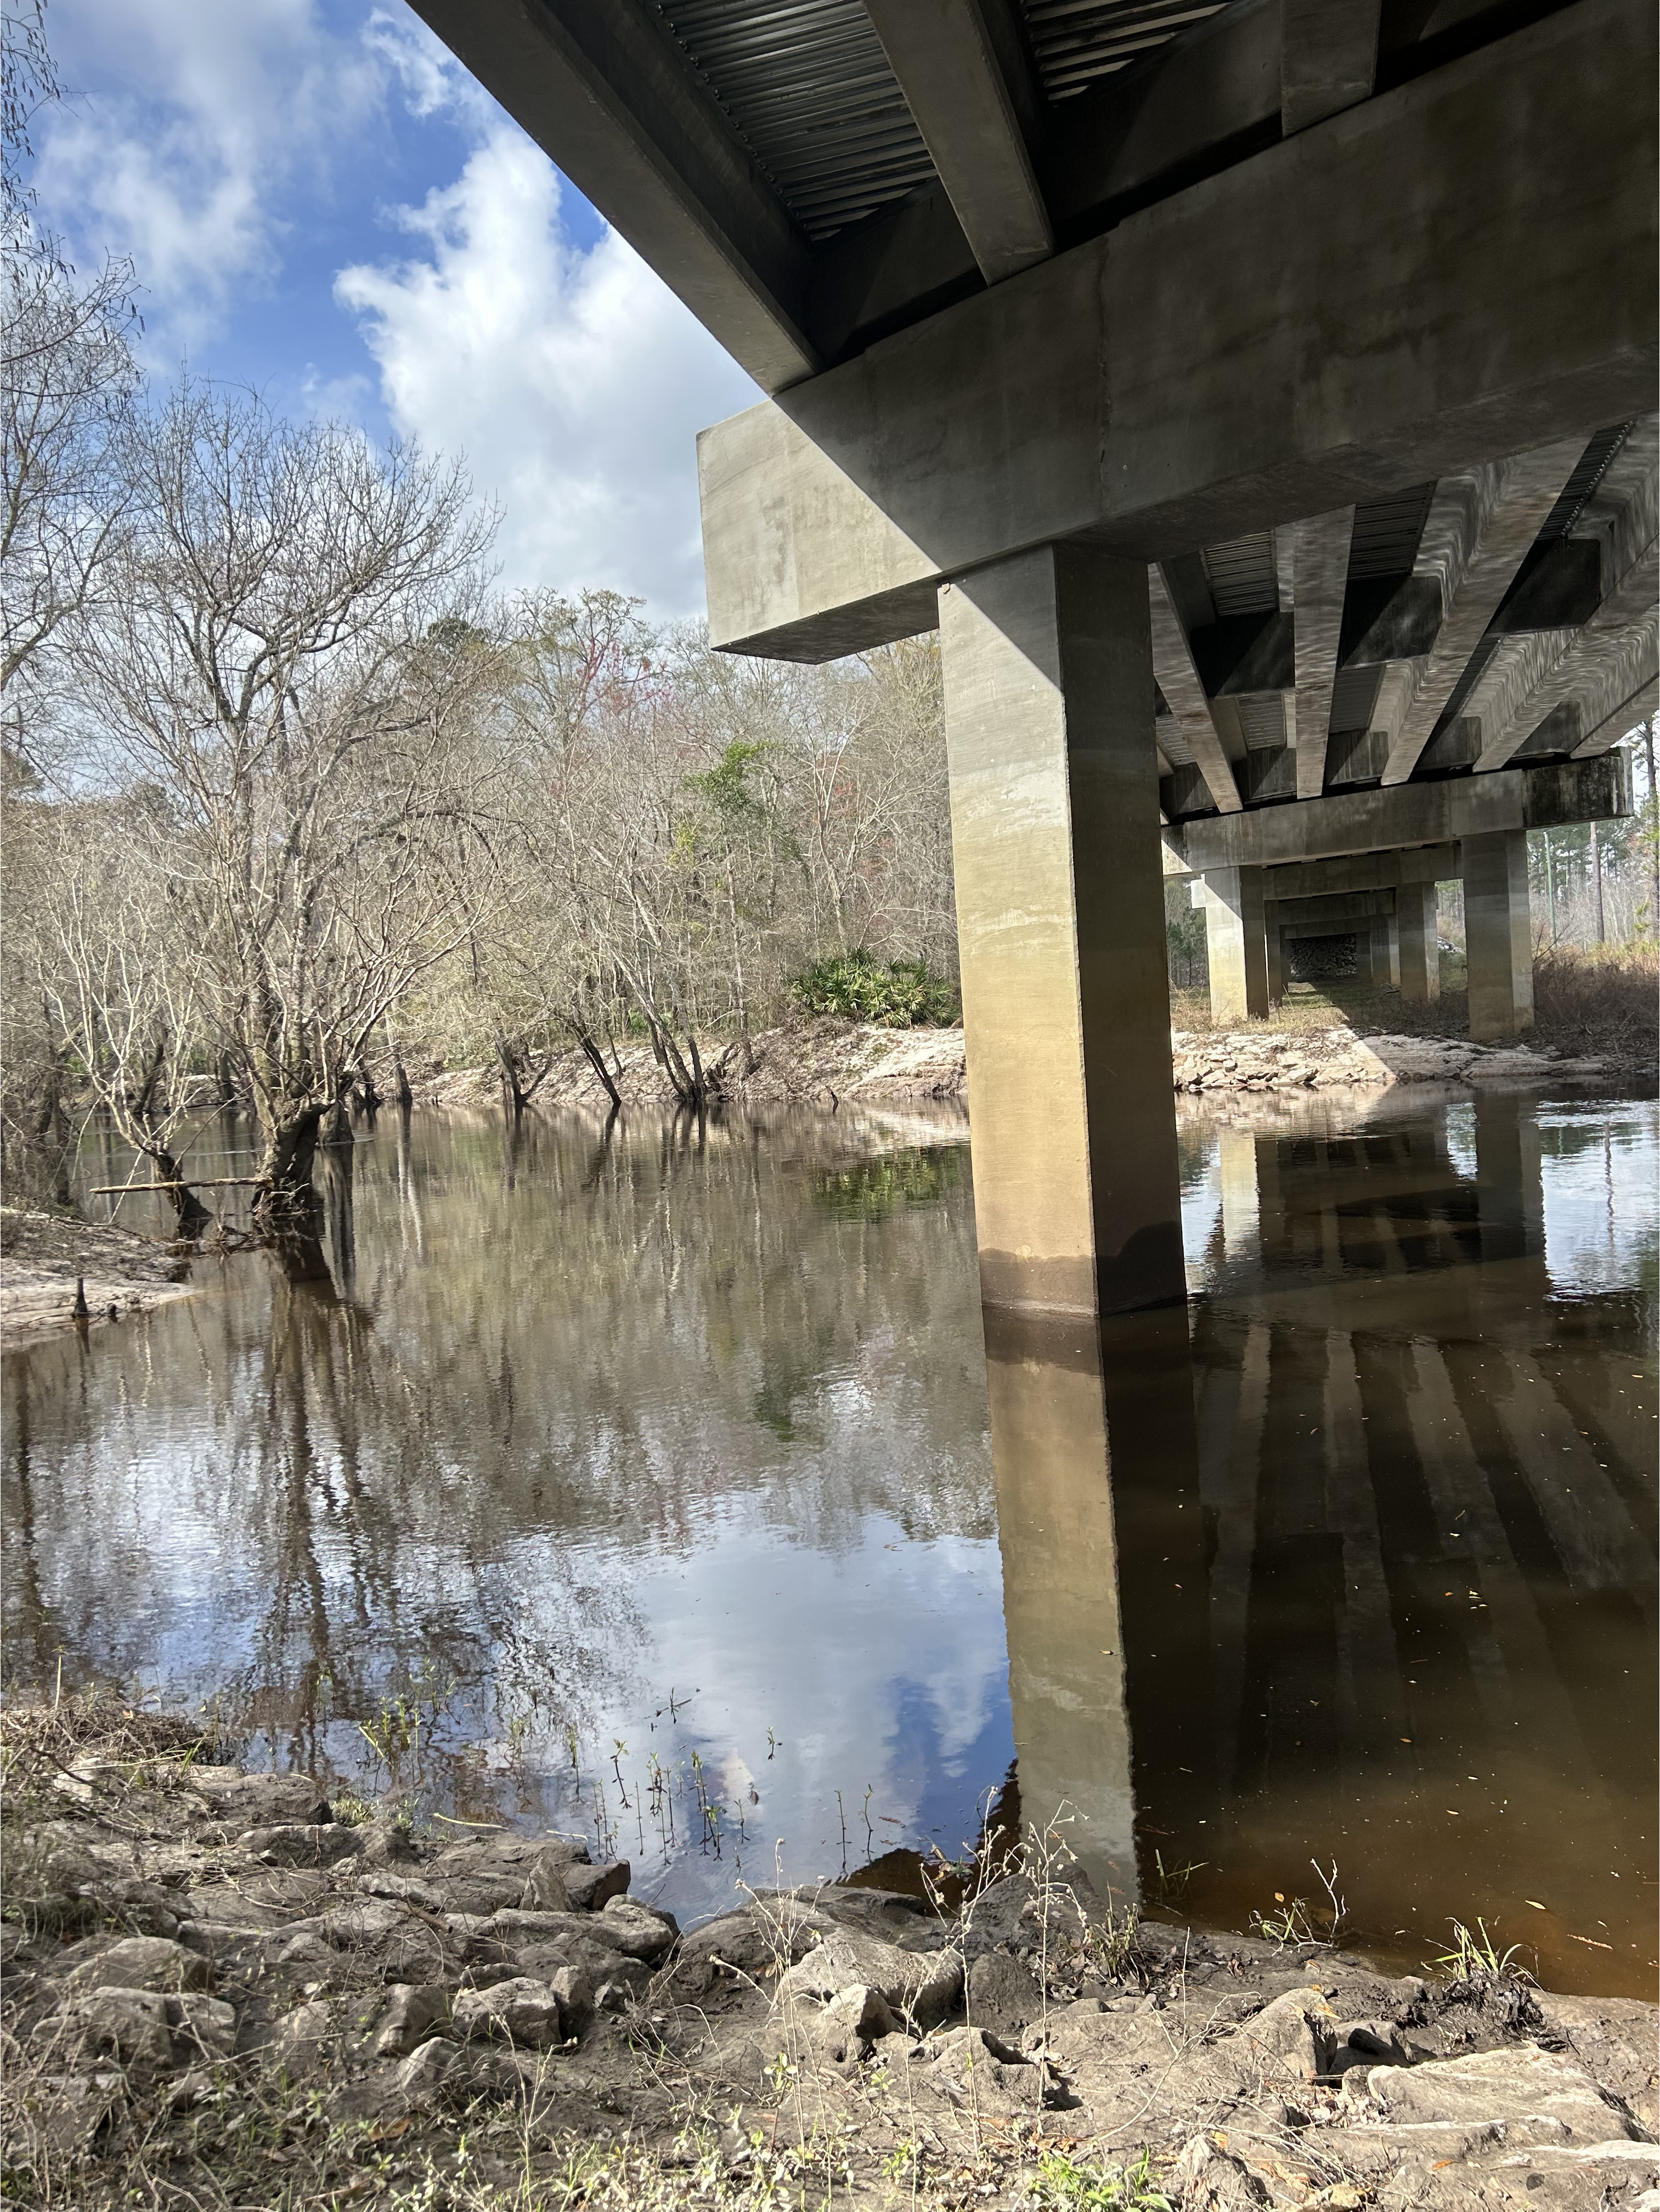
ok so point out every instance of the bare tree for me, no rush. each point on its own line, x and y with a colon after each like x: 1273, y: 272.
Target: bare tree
x: 120, y: 974
x: 292, y: 657
x: 67, y: 384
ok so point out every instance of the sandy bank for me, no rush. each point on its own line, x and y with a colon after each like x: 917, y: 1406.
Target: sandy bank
x: 42, y: 1256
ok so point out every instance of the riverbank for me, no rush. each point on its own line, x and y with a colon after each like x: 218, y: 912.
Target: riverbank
x: 43, y: 1255
x: 826, y: 1063
x: 231, y: 1987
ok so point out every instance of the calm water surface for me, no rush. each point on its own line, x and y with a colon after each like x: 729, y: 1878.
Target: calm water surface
x: 665, y: 1483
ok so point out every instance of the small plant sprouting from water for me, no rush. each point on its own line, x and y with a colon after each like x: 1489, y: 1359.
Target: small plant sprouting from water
x: 1476, y: 1957
x: 1174, y: 1882
x: 1290, y: 1924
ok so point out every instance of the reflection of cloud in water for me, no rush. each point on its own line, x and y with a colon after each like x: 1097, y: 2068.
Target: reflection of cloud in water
x: 641, y: 1415
x: 1595, y: 1159
x: 880, y: 1666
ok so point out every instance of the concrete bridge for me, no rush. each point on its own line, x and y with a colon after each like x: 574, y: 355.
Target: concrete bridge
x: 1256, y: 395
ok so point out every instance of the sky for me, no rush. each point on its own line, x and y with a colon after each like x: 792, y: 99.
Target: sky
x: 320, y: 203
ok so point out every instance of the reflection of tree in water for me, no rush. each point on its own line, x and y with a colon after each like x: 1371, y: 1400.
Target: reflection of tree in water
x: 870, y: 1190
x: 414, y: 1462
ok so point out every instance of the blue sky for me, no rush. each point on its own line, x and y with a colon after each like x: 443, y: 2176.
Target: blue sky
x: 319, y: 202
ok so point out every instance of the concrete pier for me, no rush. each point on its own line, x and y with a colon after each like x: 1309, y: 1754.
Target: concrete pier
x: 1497, y: 935
x: 1236, y: 943
x: 1419, y: 942
x: 1061, y: 924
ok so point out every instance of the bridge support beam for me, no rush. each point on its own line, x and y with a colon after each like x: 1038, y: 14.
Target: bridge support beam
x: 1420, y: 939
x: 1497, y: 935
x: 1235, y: 944
x: 1060, y: 925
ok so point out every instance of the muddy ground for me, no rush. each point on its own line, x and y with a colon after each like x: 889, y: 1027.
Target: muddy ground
x: 223, y: 1987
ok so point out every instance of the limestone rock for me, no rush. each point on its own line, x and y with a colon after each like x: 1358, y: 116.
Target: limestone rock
x: 506, y: 1857
x: 360, y: 1923
x: 313, y: 1845
x: 921, y: 1985
x: 575, y: 1990
x: 1002, y: 1994
x: 440, y: 2074
x: 138, y: 1962
x: 303, y: 2037
x: 982, y: 2072
x: 1530, y: 2094
x: 591, y: 1888
x: 622, y: 1983
x: 760, y: 1939
x: 545, y: 1956
x: 402, y: 1888
x: 476, y: 1895
x: 638, y: 1931
x: 131, y: 2026
x: 246, y: 1800
x: 386, y: 1844
x: 412, y: 2014
x: 1614, y: 2039
x: 203, y: 2026
x: 518, y: 2011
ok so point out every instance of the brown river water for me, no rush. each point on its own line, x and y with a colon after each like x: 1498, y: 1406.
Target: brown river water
x: 662, y: 1482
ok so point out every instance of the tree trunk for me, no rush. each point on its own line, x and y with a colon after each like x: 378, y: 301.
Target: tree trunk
x: 595, y: 1058
x: 401, y: 1090
x: 283, y: 1198
x: 194, y: 1219
x: 596, y: 1061
x: 514, y: 1097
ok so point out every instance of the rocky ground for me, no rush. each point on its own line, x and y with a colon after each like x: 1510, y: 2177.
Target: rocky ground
x: 1270, y: 1060
x: 223, y: 1989
x: 43, y: 1255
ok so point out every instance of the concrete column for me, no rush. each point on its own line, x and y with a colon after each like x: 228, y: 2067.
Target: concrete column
x: 1061, y: 925
x: 1376, y: 932
x: 1235, y: 944
x: 1065, y: 1643
x: 1498, y: 934
x: 1236, y: 1171
x: 1419, y: 941
x: 1101, y: 1525
x: 1275, y: 949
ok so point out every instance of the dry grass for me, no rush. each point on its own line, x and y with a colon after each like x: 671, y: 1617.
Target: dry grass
x: 1602, y: 1005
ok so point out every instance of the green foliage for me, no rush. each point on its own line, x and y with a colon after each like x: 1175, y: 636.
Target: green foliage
x: 902, y: 994
x: 1086, y: 2188
x: 726, y: 784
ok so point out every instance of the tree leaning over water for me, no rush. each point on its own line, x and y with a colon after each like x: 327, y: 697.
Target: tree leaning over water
x: 291, y: 661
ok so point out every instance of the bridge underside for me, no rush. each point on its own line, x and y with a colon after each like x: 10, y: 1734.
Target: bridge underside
x: 1257, y: 398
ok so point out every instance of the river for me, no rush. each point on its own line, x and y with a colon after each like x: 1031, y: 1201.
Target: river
x: 655, y: 1480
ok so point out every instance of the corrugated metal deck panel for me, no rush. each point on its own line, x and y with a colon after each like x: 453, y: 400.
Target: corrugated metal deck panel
x: 806, y: 87
x: 1242, y: 575
x: 1074, y: 42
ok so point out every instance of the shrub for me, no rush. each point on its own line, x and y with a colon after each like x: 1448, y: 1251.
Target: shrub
x: 902, y: 994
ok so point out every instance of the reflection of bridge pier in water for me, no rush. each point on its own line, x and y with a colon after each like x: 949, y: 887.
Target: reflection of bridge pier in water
x: 1362, y: 1568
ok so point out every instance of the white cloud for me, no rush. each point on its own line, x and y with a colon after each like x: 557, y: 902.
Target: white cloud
x: 431, y: 78
x: 574, y: 381
x: 191, y: 118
